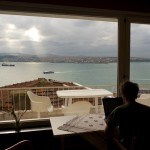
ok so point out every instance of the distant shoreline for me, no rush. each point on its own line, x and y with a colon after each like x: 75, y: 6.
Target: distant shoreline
x: 64, y: 59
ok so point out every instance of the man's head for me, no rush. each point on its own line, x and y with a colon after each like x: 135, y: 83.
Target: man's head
x: 130, y: 91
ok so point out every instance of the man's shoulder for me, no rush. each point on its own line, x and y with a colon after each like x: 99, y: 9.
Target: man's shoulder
x: 121, y: 108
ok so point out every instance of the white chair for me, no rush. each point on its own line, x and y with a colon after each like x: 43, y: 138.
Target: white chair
x: 40, y: 103
x: 77, y: 108
x: 144, y: 96
x: 144, y: 101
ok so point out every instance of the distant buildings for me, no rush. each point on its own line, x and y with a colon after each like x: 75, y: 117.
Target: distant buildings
x: 63, y: 59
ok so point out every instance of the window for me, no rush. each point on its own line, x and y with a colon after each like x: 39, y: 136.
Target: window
x: 81, y: 51
x: 123, y: 45
x: 140, y: 58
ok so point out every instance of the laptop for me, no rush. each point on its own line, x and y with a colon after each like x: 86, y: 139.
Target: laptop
x: 110, y: 104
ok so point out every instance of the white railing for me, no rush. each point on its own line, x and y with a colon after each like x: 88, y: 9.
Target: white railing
x: 17, y: 97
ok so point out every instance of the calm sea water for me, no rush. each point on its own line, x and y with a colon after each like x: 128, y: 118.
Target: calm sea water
x: 86, y: 74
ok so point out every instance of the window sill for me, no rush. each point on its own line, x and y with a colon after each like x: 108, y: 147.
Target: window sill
x: 27, y: 125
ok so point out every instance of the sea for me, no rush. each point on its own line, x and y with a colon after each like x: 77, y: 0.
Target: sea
x: 90, y: 75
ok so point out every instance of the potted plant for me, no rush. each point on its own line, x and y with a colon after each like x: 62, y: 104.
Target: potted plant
x: 17, y: 116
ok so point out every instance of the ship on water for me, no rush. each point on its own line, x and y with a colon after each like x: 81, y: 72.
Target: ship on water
x: 5, y: 64
x: 48, y: 72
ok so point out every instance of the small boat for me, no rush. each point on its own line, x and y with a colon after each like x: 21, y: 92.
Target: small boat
x: 47, y: 72
x: 5, y: 64
x: 11, y: 65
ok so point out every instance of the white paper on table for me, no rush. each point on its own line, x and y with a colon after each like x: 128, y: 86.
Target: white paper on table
x: 84, y: 123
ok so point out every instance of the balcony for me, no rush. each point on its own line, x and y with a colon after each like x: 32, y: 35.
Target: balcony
x: 17, y: 98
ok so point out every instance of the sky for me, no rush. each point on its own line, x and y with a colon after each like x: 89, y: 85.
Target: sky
x: 71, y: 37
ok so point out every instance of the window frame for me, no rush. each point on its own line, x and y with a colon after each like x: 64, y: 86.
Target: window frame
x: 124, y: 21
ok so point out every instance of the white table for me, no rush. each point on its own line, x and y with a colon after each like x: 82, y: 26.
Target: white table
x: 84, y: 93
x: 59, y: 121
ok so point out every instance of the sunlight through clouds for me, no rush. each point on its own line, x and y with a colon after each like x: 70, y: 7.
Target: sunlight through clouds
x: 59, y: 36
x: 33, y: 34
x: 10, y: 27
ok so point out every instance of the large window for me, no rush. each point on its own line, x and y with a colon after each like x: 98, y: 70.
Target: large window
x: 88, y: 49
x: 81, y: 51
x: 94, y: 51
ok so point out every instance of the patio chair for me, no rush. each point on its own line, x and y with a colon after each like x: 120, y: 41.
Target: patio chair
x: 144, y: 99
x: 22, y: 145
x: 40, y: 103
x: 144, y: 96
x: 77, y: 108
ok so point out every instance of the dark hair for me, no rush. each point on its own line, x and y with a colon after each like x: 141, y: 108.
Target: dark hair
x: 130, y: 90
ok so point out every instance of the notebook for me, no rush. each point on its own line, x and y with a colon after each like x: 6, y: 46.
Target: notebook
x: 110, y: 104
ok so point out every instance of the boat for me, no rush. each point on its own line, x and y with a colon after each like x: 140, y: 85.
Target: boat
x: 5, y: 64
x: 48, y: 72
x: 11, y: 65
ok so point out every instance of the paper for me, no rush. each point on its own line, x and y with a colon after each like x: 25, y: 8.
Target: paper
x: 84, y: 123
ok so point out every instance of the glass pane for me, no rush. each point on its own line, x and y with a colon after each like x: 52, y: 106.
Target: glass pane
x: 37, y: 52
x: 140, y: 55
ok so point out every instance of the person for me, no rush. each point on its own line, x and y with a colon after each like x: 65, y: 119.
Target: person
x: 131, y: 118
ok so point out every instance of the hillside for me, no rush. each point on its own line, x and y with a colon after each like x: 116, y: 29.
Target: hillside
x: 4, y: 57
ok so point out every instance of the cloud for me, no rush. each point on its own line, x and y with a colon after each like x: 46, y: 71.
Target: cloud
x: 140, y: 43
x: 44, y: 35
x: 33, y: 34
